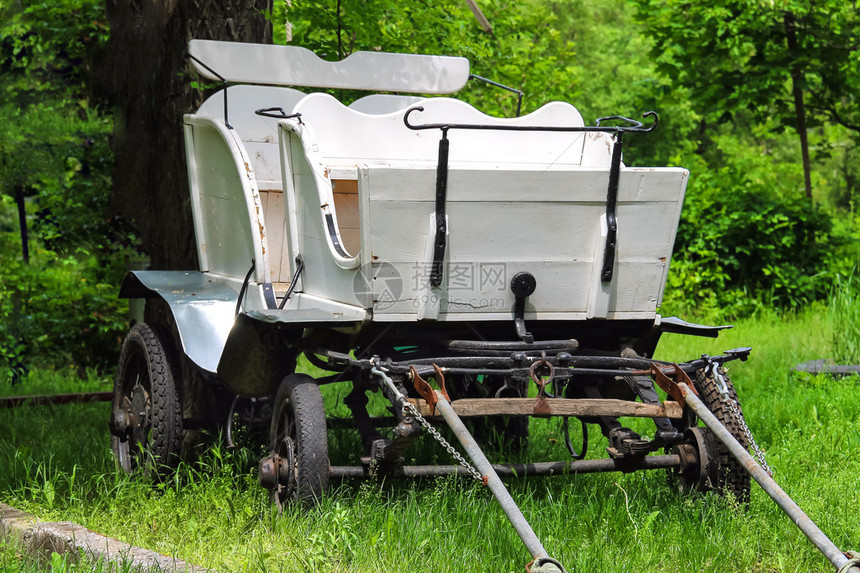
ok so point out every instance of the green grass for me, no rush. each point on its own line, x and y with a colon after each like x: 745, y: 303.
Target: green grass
x: 844, y: 313
x: 52, y: 381
x: 13, y: 560
x: 56, y: 463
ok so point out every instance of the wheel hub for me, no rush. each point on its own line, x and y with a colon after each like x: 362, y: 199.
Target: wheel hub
x: 277, y: 471
x: 119, y: 422
x: 137, y: 411
x: 692, y: 472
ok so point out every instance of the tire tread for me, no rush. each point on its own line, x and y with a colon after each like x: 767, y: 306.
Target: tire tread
x: 155, y: 348
x: 301, y: 394
x: 729, y: 475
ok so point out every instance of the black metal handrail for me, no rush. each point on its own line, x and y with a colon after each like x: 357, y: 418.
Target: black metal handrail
x: 633, y: 126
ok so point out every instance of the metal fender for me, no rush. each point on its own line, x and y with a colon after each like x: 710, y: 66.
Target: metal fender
x: 676, y: 325
x: 203, y: 308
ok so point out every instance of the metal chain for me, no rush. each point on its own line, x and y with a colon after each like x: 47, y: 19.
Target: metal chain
x: 724, y: 395
x: 413, y: 411
x: 435, y: 433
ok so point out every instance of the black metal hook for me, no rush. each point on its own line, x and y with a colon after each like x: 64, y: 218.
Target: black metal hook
x: 300, y: 266
x: 277, y: 113
x: 244, y: 288
x: 636, y: 126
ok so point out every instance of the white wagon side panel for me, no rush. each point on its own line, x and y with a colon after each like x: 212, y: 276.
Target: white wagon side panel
x: 225, y: 201
x: 503, y: 222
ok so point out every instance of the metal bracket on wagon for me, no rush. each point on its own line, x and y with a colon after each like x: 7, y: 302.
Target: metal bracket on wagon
x: 426, y: 391
x: 671, y: 386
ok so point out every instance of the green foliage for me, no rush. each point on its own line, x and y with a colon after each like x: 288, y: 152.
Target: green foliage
x: 619, y: 77
x: 844, y: 313
x: 722, y: 87
x: 54, y: 149
x: 837, y: 152
x: 525, y: 51
x: 58, y: 311
x: 59, y: 155
x: 45, y: 58
x: 47, y: 48
x: 62, y: 307
x: 335, y: 29
x: 734, y: 55
x: 742, y: 244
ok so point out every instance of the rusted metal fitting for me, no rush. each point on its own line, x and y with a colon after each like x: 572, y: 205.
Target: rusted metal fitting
x: 542, y: 373
x: 268, y: 475
x: 426, y: 391
x: 687, y: 454
x: 274, y: 471
x: 119, y: 422
x: 671, y: 386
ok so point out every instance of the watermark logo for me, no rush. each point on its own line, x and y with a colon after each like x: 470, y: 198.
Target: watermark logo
x: 380, y: 285
x: 467, y: 286
x: 463, y: 276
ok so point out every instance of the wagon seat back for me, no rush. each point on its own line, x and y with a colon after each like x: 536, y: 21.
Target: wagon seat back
x: 255, y: 138
x: 516, y: 202
x: 236, y: 189
x: 234, y: 163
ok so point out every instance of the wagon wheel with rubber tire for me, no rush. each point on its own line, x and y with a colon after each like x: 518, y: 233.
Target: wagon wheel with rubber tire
x: 725, y: 473
x: 717, y: 470
x: 298, y: 442
x: 146, y: 417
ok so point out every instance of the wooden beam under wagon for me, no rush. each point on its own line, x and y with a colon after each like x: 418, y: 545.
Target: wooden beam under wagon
x: 470, y: 407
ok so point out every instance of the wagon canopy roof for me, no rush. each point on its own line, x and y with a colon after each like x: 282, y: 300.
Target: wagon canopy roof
x: 295, y: 66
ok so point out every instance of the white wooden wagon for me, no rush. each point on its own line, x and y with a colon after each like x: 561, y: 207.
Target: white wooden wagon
x: 516, y: 261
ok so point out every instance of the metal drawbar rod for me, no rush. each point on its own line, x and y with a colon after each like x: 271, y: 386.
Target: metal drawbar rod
x: 767, y: 483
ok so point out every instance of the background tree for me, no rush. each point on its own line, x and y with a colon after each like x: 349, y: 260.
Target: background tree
x: 525, y: 50
x: 793, y: 63
x: 144, y: 72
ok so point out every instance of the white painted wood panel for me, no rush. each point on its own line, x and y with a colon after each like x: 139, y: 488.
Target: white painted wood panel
x: 295, y: 66
x: 636, y: 184
x: 225, y: 202
x: 327, y: 274
x: 347, y: 138
x: 278, y: 255
x: 499, y: 221
x: 384, y: 103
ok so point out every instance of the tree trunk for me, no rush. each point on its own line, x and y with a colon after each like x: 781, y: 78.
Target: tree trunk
x: 146, y: 74
x: 799, y: 108
x: 22, y: 223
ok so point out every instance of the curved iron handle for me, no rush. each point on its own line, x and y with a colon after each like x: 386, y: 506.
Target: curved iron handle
x: 417, y: 127
x: 277, y: 113
x: 634, y: 125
